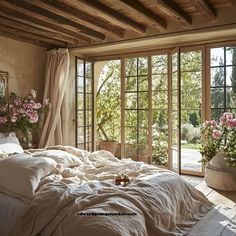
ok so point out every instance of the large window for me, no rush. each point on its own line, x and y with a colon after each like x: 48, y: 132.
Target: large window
x: 223, y: 80
x: 153, y: 105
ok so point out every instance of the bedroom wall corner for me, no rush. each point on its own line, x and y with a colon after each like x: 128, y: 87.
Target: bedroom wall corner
x: 25, y: 64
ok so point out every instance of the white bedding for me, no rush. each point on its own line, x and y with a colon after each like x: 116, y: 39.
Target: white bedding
x: 163, y: 202
x: 10, y: 208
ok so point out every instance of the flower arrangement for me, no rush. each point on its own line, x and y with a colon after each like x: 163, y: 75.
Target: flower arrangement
x: 220, y: 137
x: 21, y: 113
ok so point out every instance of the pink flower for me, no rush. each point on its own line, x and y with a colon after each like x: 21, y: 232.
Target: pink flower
x: 17, y: 101
x: 21, y: 110
x: 38, y: 105
x: 231, y: 123
x: 228, y: 115
x: 14, y: 119
x: 211, y: 123
x: 216, y: 134
x: 3, y: 120
x: 33, y: 117
x: 2, y: 108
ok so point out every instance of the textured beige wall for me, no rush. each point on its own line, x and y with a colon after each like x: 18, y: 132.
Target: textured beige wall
x: 25, y: 64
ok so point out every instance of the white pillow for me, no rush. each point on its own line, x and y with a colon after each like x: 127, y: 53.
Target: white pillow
x: 20, y: 174
x: 60, y: 157
x: 9, y: 143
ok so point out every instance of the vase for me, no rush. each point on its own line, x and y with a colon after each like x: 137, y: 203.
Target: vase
x: 110, y: 146
x: 25, y: 138
x: 220, y: 176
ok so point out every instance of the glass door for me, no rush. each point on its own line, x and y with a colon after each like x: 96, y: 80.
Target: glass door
x: 84, y: 105
x: 191, y: 109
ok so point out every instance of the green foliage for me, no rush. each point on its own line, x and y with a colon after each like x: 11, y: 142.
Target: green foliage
x: 190, y: 133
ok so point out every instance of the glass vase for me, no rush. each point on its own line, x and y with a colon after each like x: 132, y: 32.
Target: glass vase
x: 25, y: 138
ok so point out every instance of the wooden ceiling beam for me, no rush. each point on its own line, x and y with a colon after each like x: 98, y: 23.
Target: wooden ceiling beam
x: 140, y: 11
x: 25, y: 39
x: 205, y: 9
x: 57, y: 33
x: 17, y: 16
x: 33, y: 12
x: 97, y: 9
x: 30, y: 29
x: 78, y: 17
x: 24, y: 34
x: 174, y: 11
x: 233, y: 3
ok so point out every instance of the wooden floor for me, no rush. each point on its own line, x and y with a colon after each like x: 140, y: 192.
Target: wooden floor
x: 227, y: 198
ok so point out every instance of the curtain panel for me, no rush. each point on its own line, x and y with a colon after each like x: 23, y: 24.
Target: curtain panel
x: 56, y: 79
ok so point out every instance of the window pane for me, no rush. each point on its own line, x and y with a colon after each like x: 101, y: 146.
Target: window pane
x: 174, y: 81
x: 143, y: 119
x: 174, y: 119
x: 88, y: 118
x: 80, y: 84
x: 80, y: 67
x: 231, y: 76
x: 80, y: 118
x: 88, y: 101
x: 217, y: 76
x: 88, y: 68
x: 131, y: 118
x: 80, y: 100
x: 217, y: 97
x: 159, y: 82
x: 88, y: 85
x: 131, y: 66
x: 131, y: 135
x: 131, y: 101
x: 142, y: 65
x: 160, y: 100
x: 143, y: 100
x: 217, y: 56
x: 159, y: 64
x: 230, y: 55
x: 80, y: 135
x: 191, y: 61
x: 160, y: 119
x: 131, y: 84
x: 143, y: 83
x: 174, y: 63
x: 216, y: 114
x: 231, y: 97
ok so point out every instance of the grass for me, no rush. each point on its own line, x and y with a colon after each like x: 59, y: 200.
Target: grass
x: 190, y: 146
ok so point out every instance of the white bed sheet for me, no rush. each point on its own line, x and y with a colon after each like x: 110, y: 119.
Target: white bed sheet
x: 10, y: 209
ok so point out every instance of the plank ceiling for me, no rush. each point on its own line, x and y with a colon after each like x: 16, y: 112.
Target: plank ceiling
x: 75, y: 23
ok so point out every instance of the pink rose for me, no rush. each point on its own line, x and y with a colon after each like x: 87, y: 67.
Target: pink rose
x: 216, y: 134
x: 3, y: 120
x: 228, y: 115
x: 231, y: 123
x: 17, y: 101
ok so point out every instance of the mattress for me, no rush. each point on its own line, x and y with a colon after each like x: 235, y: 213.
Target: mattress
x: 10, y: 211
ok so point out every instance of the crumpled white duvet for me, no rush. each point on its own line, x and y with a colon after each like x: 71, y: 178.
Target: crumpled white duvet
x: 163, y: 203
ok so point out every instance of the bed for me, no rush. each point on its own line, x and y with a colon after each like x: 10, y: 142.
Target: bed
x: 62, y: 190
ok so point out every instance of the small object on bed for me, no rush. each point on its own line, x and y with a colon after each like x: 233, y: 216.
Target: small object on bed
x: 122, y: 180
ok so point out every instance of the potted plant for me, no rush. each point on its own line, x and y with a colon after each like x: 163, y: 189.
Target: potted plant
x: 219, y: 152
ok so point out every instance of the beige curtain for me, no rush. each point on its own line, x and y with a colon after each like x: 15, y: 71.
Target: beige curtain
x: 56, y: 78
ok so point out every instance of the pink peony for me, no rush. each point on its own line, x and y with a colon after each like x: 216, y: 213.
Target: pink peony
x: 3, y: 120
x: 14, y: 119
x: 211, y: 123
x: 228, y: 115
x: 231, y: 123
x: 216, y: 134
x: 17, y: 101
x: 33, y: 117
